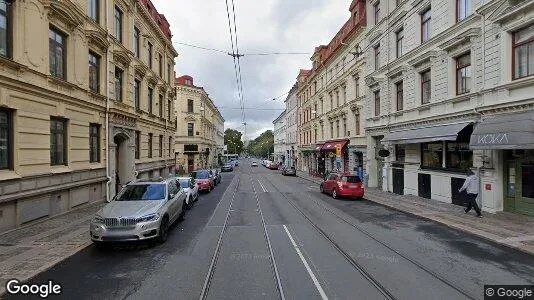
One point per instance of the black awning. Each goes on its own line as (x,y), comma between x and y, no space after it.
(507,131)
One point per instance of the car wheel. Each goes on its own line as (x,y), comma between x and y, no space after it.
(321,188)
(189,203)
(196,198)
(163,230)
(182,214)
(334,194)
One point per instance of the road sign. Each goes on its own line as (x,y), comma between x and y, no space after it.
(338,150)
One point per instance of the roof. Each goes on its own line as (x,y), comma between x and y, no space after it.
(282,114)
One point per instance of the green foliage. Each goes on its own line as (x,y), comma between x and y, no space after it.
(262,145)
(232,138)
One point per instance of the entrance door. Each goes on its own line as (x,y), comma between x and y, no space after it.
(424,186)
(190,163)
(524,201)
(398,181)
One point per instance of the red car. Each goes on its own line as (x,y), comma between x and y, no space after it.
(343,185)
(204,180)
(273,166)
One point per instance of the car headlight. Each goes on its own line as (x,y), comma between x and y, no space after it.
(148,218)
(98,219)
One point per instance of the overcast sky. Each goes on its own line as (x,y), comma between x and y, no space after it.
(262,26)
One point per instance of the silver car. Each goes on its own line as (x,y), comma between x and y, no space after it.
(142,210)
(190,188)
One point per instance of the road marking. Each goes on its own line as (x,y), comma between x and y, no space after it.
(310,272)
(262,187)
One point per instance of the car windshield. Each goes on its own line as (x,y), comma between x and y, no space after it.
(200,175)
(351,179)
(184,183)
(142,192)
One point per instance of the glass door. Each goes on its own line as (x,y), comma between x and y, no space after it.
(525,191)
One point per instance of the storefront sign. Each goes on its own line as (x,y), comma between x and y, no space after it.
(492,139)
(383,153)
(338,150)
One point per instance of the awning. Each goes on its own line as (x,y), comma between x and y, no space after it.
(445,132)
(318,147)
(509,131)
(331,146)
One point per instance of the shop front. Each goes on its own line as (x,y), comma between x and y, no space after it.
(508,140)
(320,160)
(336,155)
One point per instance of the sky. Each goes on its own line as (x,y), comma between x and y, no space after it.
(263,26)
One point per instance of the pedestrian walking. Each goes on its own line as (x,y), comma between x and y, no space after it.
(471,187)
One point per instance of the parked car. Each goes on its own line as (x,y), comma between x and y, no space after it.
(204,180)
(190,188)
(254,164)
(343,185)
(144,209)
(273,166)
(289,171)
(227,168)
(216,176)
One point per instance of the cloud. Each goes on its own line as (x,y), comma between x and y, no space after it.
(262,26)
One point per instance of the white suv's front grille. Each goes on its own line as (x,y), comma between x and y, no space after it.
(120,222)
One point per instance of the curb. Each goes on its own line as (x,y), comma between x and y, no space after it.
(47,266)
(450,225)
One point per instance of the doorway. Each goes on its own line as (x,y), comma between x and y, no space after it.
(122,167)
(425,190)
(398,180)
(519,182)
(190,163)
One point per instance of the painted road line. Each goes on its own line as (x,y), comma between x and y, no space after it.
(310,272)
(262,187)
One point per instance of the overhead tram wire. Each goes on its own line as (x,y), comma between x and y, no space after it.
(241,54)
(239,65)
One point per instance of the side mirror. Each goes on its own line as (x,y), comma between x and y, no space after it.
(171,195)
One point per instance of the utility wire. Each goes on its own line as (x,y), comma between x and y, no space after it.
(233,53)
(239,65)
(203,48)
(242,54)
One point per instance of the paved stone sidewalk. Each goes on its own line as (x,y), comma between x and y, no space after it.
(509,229)
(27,251)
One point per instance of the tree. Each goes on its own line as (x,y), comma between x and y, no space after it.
(262,145)
(232,138)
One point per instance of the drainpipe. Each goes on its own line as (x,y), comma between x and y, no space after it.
(108,175)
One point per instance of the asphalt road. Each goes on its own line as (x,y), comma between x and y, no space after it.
(260,235)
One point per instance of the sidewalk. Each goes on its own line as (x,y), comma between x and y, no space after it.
(509,229)
(30,250)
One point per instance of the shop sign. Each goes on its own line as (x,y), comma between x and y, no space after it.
(383,153)
(338,150)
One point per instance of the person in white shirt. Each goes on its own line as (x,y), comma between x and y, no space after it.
(471,187)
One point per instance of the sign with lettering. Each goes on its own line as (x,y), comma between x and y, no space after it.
(338,150)
(492,139)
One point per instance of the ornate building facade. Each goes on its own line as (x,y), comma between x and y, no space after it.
(76,116)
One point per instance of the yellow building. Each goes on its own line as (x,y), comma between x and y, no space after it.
(200,130)
(73,73)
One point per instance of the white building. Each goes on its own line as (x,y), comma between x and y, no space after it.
(437,70)
(279,155)
(292,113)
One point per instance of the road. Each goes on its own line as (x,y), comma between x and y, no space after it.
(260,235)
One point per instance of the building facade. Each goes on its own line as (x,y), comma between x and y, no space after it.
(74,117)
(291,121)
(442,94)
(331,102)
(199,136)
(279,132)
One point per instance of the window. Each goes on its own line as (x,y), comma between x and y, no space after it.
(315,135)
(150,55)
(425,26)
(432,155)
(6,139)
(93,10)
(169,73)
(94,72)
(426,90)
(458,156)
(118,84)
(160,105)
(137,144)
(57,53)
(5,28)
(399,37)
(400,96)
(331,129)
(400,153)
(377,103)
(118,24)
(523,47)
(58,141)
(344,127)
(137,93)
(376,10)
(150,141)
(331,101)
(463,9)
(356,86)
(190,105)
(337,128)
(357,123)
(137,42)
(170,146)
(337,98)
(160,65)
(161,146)
(190,129)
(377,56)
(169,106)
(150,100)
(94,143)
(322,131)
(463,74)
(527,181)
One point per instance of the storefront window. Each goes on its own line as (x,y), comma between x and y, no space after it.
(431,154)
(400,153)
(458,156)
(527,181)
